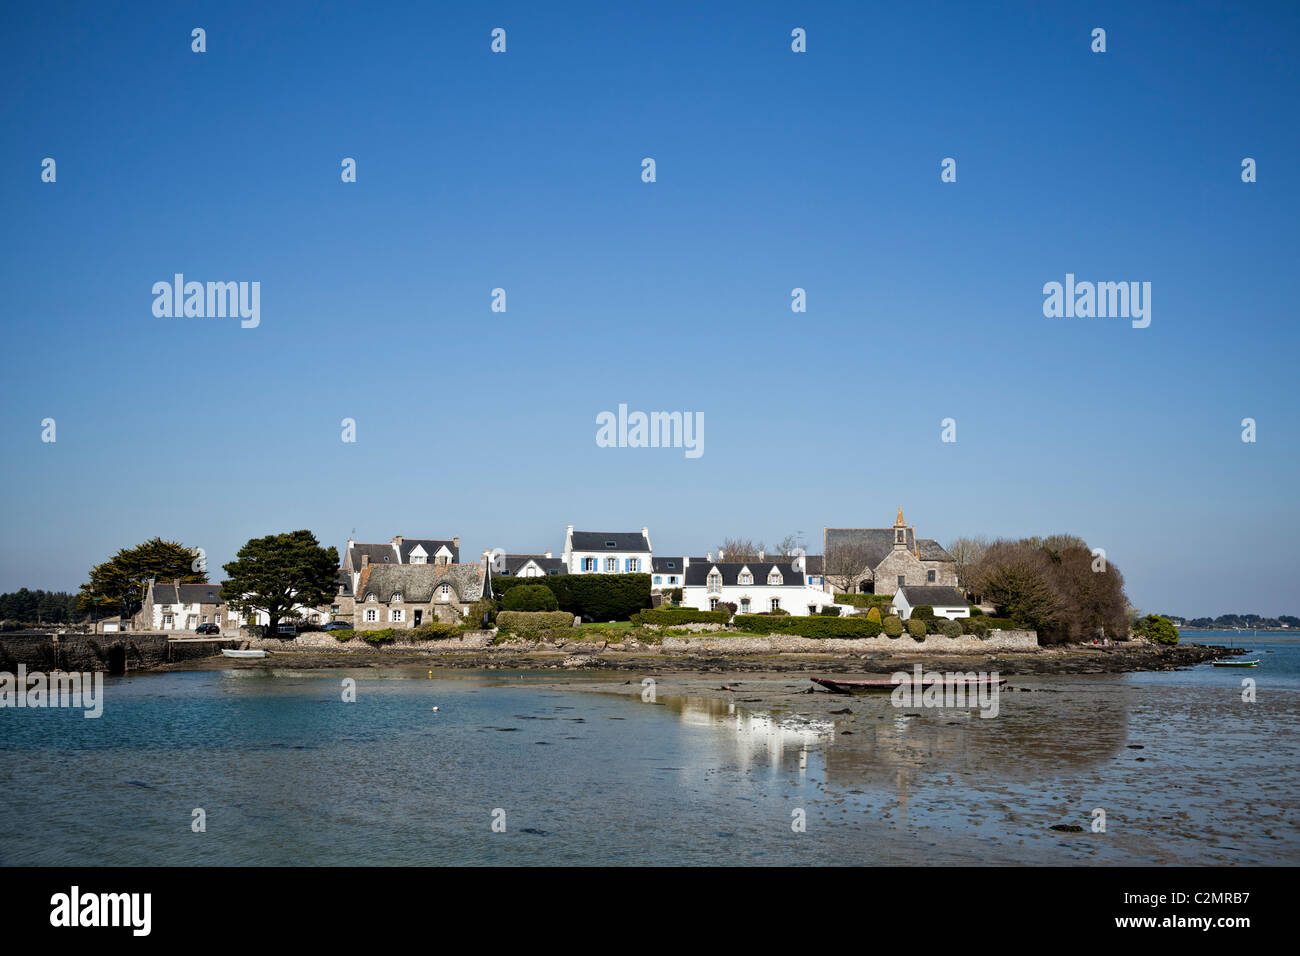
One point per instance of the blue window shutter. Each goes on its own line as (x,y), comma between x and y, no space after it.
(627,563)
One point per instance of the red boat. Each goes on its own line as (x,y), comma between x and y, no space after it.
(838,686)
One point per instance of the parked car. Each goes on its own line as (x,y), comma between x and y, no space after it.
(337,626)
(207,629)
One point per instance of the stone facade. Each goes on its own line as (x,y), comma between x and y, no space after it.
(404,596)
(890,557)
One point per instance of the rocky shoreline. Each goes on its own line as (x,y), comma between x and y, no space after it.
(596,656)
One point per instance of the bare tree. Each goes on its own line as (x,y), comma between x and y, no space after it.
(845,564)
(967,552)
(739,549)
(788,545)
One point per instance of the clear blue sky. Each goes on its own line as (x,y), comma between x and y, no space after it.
(775,170)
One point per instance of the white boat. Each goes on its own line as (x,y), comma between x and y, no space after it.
(229,653)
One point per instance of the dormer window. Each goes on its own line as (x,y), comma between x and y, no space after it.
(370,597)
(746,577)
(775,577)
(397,598)
(715,581)
(417,559)
(444,592)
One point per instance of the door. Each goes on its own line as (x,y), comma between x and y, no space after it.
(419,616)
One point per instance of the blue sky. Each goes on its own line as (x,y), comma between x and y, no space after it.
(775,170)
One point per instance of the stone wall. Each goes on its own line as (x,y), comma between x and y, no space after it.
(113,653)
(789,644)
(326,641)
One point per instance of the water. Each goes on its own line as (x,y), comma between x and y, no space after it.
(288,774)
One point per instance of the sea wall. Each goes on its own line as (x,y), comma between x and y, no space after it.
(790,644)
(114,653)
(326,641)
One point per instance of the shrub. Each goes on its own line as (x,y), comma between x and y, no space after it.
(1156,629)
(601,597)
(530,597)
(731,607)
(923,611)
(434,629)
(344,635)
(670,616)
(537,625)
(830,610)
(893,626)
(385,636)
(950,629)
(816,626)
(974,625)
(874,614)
(1003,623)
(976,611)
(474,619)
(916,628)
(675,595)
(864,600)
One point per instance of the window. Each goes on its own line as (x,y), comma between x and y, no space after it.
(713,604)
(776,604)
(898,535)
(611,564)
(929,576)
(774,577)
(658,579)
(672,579)
(715,582)
(634,564)
(611,544)
(167,620)
(396,614)
(397,598)
(417,559)
(746,577)
(589,564)
(900,580)
(744,605)
(372,614)
(812,609)
(334,608)
(370,597)
(444,592)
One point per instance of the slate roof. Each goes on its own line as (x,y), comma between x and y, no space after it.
(878,542)
(188,593)
(813,563)
(549,565)
(598,541)
(430,545)
(668,565)
(697,575)
(344,578)
(417,582)
(379,554)
(934,595)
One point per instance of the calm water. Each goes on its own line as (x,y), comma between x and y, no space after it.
(288,774)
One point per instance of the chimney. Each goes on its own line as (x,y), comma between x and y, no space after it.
(686,563)
(548,552)
(455,542)
(176,582)
(760,554)
(398,540)
(721,557)
(365,560)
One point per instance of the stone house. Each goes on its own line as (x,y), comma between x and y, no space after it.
(174,606)
(400,550)
(888,558)
(404,596)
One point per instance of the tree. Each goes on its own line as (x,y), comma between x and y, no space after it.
(739,550)
(280,572)
(1013,576)
(845,563)
(1156,629)
(118,585)
(967,552)
(530,597)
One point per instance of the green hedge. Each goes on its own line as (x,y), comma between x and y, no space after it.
(1005,623)
(530,597)
(916,628)
(385,636)
(432,630)
(865,600)
(822,627)
(950,629)
(344,635)
(602,597)
(537,625)
(893,626)
(670,616)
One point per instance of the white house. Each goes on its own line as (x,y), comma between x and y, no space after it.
(667,573)
(173,606)
(528,566)
(753,586)
(947,602)
(607,552)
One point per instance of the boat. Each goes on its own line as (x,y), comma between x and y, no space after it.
(838,686)
(1254,663)
(242,654)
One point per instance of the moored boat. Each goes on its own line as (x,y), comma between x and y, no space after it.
(1254,663)
(233,653)
(839,686)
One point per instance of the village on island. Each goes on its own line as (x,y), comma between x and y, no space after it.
(867,589)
